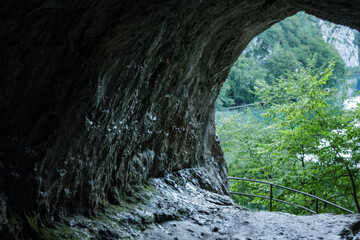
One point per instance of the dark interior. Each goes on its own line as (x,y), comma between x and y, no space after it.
(97,97)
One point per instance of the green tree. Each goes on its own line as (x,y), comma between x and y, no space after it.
(279,63)
(304,140)
(223,100)
(311,123)
(286,46)
(242,79)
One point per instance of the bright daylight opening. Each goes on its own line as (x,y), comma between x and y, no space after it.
(288,114)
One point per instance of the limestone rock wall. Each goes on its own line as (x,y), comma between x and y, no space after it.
(99,96)
(343,39)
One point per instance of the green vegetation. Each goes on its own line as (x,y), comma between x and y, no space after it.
(286,46)
(297,134)
(301,137)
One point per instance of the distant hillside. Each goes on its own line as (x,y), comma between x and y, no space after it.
(287,46)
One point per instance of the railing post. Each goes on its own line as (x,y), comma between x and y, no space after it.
(271,196)
(317,206)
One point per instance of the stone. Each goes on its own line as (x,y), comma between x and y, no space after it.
(226,221)
(99,97)
(351,231)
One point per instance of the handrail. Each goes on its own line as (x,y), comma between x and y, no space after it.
(290,189)
(274,199)
(242,106)
(253,104)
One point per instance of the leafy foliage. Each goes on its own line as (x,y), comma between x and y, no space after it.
(245,73)
(286,46)
(304,139)
(223,98)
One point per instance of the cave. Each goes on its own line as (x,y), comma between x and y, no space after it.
(99,98)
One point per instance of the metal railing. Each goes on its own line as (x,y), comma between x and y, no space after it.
(271,197)
(243,106)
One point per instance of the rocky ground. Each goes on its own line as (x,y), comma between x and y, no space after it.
(215,217)
(176,208)
(231,223)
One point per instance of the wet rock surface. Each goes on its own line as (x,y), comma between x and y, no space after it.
(351,232)
(231,223)
(98,97)
(166,200)
(176,208)
(215,217)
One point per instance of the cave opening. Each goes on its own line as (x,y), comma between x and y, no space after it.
(268,81)
(100,99)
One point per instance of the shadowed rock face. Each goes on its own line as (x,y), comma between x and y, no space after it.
(99,96)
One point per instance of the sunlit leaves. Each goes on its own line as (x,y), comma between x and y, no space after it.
(304,139)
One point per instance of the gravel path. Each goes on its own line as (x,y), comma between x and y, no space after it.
(228,222)
(216,217)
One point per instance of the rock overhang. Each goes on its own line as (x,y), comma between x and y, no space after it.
(98,97)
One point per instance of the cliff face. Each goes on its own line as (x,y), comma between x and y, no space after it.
(97,97)
(343,39)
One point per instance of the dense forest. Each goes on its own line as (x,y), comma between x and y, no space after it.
(297,133)
(284,47)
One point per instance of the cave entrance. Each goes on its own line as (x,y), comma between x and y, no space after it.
(268,125)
